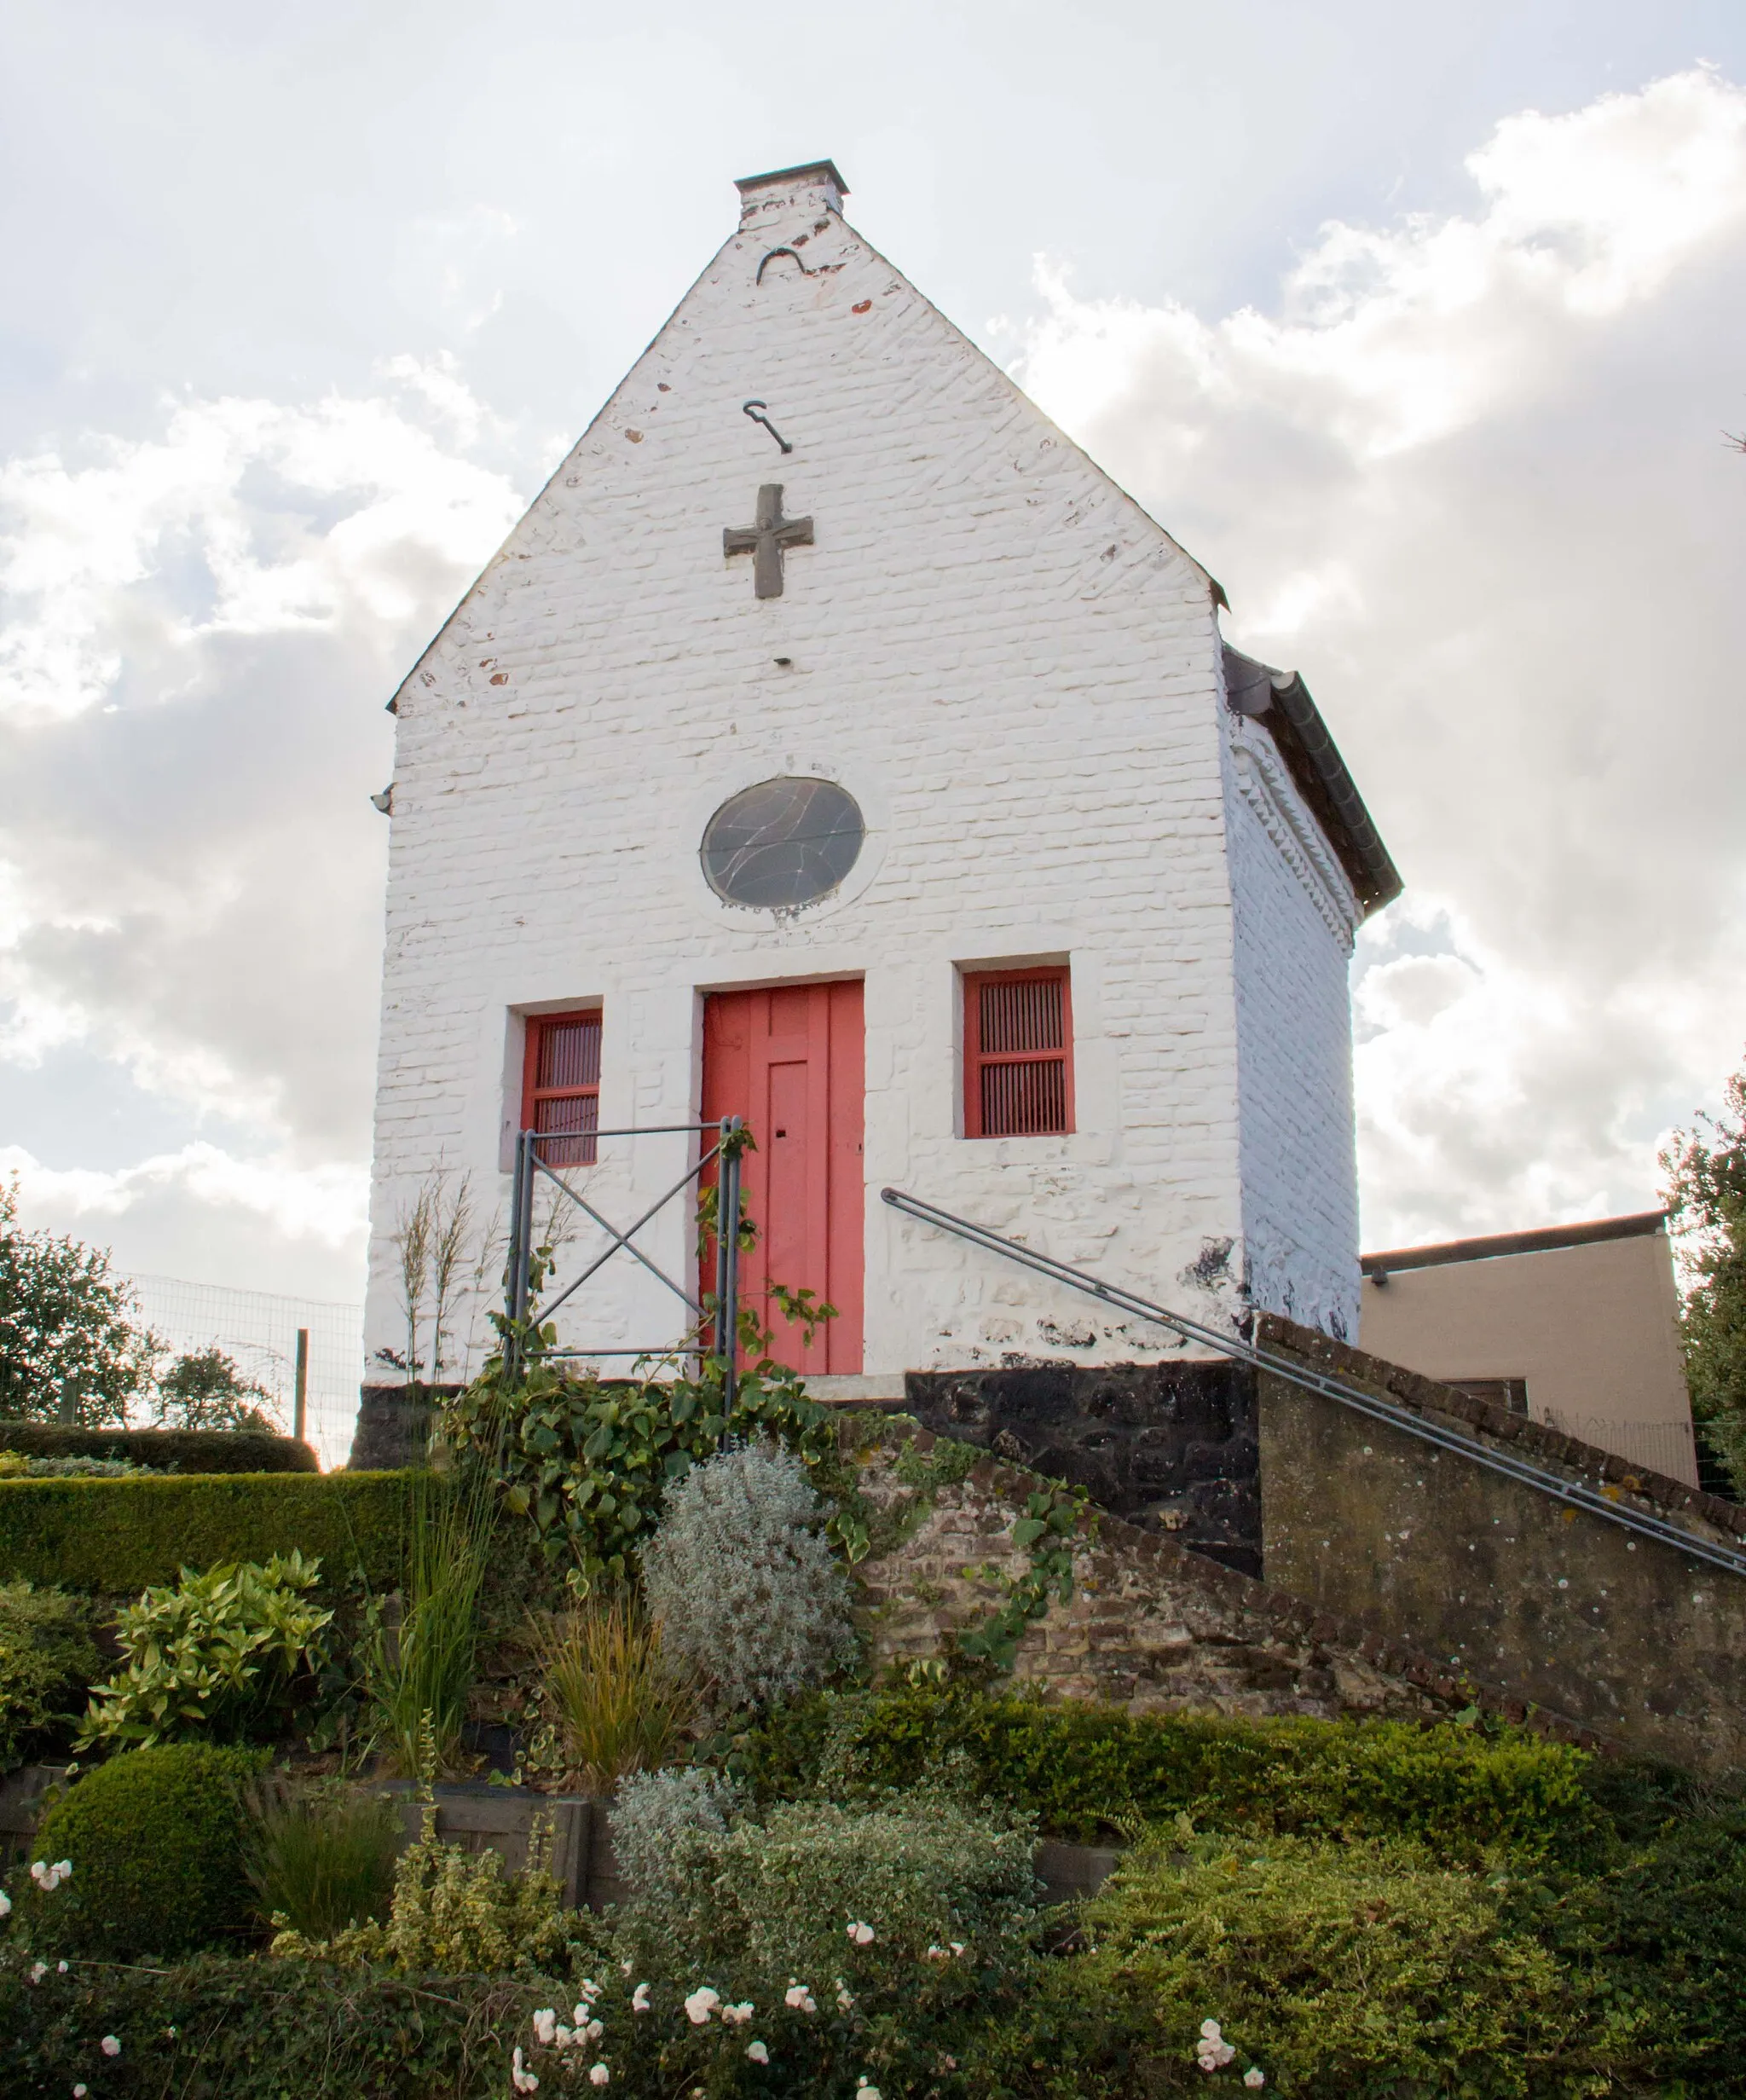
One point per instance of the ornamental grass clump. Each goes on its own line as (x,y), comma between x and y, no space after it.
(743,1578)
(320,1857)
(622,1703)
(417,1674)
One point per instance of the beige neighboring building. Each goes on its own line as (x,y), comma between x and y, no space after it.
(1574,1327)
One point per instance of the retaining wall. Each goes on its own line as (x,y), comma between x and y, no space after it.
(1541,1606)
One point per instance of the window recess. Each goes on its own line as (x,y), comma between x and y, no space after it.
(561,1084)
(1018,1054)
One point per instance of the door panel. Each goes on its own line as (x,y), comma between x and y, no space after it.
(792,1063)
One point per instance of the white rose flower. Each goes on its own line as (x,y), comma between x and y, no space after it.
(700,2003)
(546,2026)
(757,2052)
(110,2046)
(1212,2031)
(599,2076)
(639,1998)
(1254,2078)
(522,2080)
(861,1935)
(738,2015)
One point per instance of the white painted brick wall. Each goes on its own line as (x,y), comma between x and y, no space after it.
(1294,916)
(1014,671)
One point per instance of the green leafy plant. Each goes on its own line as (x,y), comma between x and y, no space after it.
(418,1671)
(231,1653)
(1045,1533)
(622,1703)
(588,1463)
(1332,1970)
(453,1913)
(47,1660)
(155,1838)
(319,1856)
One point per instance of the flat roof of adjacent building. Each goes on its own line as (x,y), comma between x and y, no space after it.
(1638,1224)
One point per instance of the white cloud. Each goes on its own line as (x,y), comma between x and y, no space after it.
(327,1203)
(1469,478)
(278,518)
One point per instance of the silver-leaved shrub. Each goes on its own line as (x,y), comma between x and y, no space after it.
(925,1879)
(656,1819)
(743,1577)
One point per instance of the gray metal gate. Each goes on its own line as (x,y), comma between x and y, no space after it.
(524,1317)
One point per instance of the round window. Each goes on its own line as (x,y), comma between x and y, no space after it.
(782,843)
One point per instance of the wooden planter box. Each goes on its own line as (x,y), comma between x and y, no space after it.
(501,1819)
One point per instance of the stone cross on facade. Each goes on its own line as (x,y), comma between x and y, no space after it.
(766,541)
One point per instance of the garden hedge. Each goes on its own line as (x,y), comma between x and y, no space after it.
(1085,1770)
(177,1450)
(114,1536)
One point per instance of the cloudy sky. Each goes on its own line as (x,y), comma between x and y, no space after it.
(1421,328)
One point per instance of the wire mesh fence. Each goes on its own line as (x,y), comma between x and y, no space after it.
(259,1330)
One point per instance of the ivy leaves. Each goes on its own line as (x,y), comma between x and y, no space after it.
(589,1463)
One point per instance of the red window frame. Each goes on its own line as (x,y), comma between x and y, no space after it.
(542,1105)
(1016,1106)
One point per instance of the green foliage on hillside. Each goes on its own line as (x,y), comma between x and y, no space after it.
(1706,1200)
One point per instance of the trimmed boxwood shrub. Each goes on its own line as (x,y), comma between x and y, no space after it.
(156,1841)
(116,1537)
(1083,1769)
(177,1450)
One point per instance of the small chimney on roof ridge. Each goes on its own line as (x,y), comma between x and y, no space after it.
(814,187)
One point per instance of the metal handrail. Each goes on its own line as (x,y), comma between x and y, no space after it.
(1328,1387)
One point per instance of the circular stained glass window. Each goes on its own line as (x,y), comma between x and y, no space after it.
(783,843)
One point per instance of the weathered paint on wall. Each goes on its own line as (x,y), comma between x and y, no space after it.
(1539,1605)
(1014,672)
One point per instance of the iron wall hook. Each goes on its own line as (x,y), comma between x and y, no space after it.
(754,409)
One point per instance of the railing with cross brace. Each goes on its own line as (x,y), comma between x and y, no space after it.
(524,1317)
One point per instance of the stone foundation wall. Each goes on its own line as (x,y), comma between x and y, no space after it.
(1169,1447)
(1537,1604)
(1152,1626)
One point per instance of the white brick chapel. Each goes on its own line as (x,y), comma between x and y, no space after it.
(834,744)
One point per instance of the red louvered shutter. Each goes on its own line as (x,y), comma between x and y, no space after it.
(1018,1054)
(561,1084)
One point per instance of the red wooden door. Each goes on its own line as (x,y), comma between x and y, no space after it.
(791,1062)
